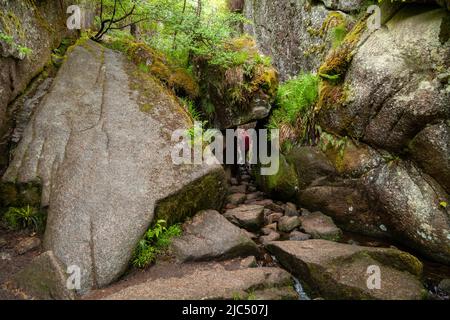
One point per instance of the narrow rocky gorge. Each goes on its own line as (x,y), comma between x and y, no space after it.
(364,163)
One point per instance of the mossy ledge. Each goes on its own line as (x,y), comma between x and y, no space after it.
(205,193)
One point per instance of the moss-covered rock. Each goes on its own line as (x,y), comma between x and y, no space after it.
(310,163)
(157,64)
(208,192)
(340,271)
(238,85)
(383,87)
(283,185)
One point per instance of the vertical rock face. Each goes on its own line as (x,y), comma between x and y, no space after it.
(295,33)
(391,92)
(37,25)
(101,146)
(397,82)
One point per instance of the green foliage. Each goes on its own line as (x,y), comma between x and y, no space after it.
(443,204)
(22,50)
(191,108)
(24,218)
(6,38)
(155,241)
(143,67)
(295,99)
(296,95)
(178,28)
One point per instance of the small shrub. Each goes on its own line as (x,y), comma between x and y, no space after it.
(156,240)
(295,99)
(24,218)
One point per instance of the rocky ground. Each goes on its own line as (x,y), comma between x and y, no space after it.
(256,248)
(17,250)
(244,252)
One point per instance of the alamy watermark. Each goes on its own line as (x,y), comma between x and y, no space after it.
(374,21)
(80,18)
(253,147)
(74,280)
(374,277)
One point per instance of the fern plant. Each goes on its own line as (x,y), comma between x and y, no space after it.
(155,241)
(295,100)
(24,218)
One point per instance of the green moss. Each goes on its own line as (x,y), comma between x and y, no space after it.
(25,218)
(146,107)
(231,79)
(205,193)
(155,63)
(399,260)
(283,185)
(41,20)
(338,60)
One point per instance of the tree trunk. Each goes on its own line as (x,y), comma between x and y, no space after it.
(134,30)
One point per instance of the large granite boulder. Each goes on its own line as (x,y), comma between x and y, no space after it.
(341,271)
(393,92)
(412,206)
(100,143)
(396,84)
(376,194)
(384,100)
